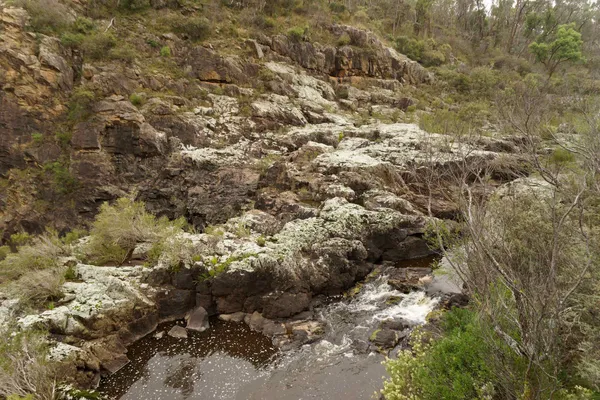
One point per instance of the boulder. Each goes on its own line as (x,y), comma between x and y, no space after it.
(178,332)
(198,320)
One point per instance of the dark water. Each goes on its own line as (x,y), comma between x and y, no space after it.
(230,362)
(208,365)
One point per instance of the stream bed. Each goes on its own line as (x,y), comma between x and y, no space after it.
(229,361)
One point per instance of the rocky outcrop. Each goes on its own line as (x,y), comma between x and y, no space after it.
(365,56)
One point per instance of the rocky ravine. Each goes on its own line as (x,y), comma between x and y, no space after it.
(309,189)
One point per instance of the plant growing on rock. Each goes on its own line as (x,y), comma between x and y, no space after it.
(118,228)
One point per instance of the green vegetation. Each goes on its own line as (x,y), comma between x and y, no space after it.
(136,99)
(165,51)
(118,228)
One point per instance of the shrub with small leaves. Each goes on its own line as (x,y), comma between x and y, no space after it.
(165,51)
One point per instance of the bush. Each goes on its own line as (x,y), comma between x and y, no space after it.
(195,28)
(165,51)
(411,48)
(344,40)
(63,138)
(136,99)
(433,58)
(337,8)
(80,104)
(62,179)
(118,228)
(561,156)
(47,16)
(37,137)
(453,367)
(98,46)
(123,53)
(296,33)
(36,288)
(41,252)
(24,367)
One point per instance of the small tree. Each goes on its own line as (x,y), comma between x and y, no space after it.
(566,46)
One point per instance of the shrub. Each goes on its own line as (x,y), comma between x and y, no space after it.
(24,367)
(63,138)
(411,48)
(123,53)
(62,179)
(561,156)
(453,367)
(47,16)
(118,228)
(344,40)
(36,288)
(98,46)
(195,28)
(296,33)
(433,58)
(136,99)
(37,137)
(4,252)
(337,8)
(80,104)
(41,252)
(165,51)
(20,239)
(134,5)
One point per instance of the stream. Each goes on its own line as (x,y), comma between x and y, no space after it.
(229,361)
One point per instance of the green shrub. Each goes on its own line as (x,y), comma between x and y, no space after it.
(80,104)
(136,99)
(63,181)
(4,251)
(412,48)
(561,156)
(98,46)
(165,51)
(297,33)
(134,5)
(123,53)
(36,288)
(453,367)
(37,137)
(47,16)
(153,43)
(118,228)
(63,138)
(337,8)
(70,273)
(20,239)
(195,28)
(73,236)
(41,252)
(344,40)
(433,58)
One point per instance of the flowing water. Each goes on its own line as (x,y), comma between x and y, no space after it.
(230,362)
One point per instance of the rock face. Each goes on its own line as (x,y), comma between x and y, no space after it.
(367,56)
